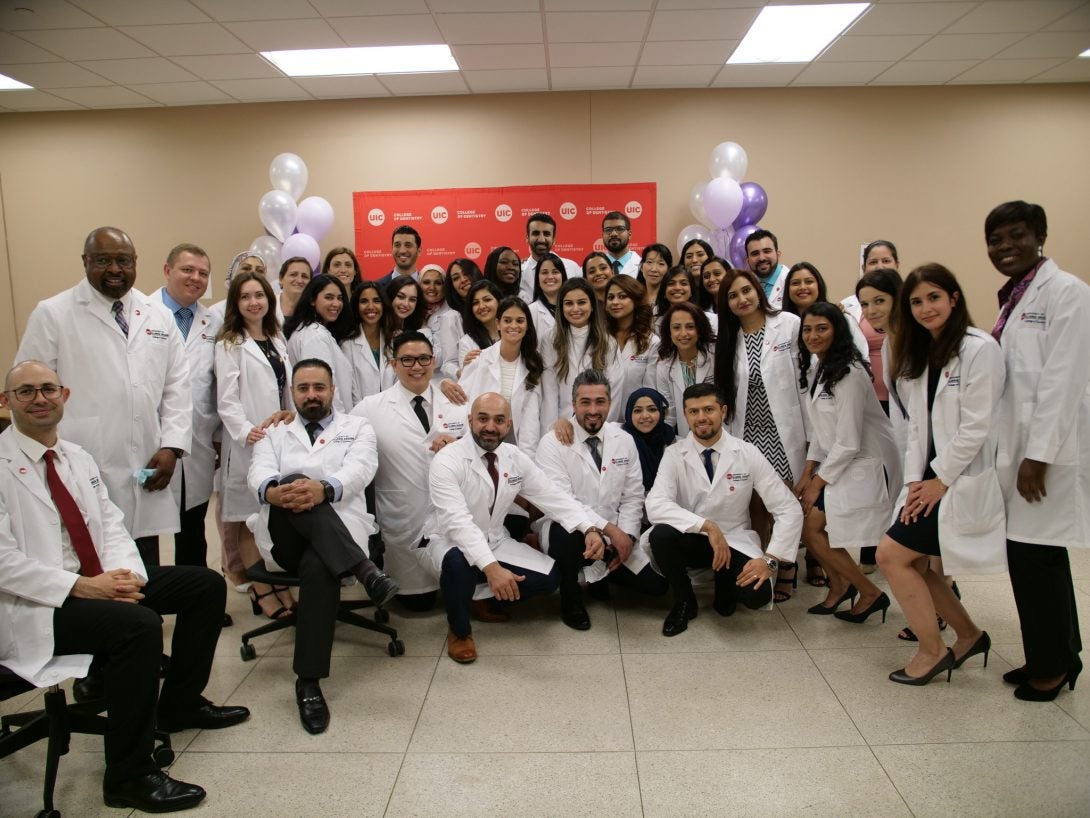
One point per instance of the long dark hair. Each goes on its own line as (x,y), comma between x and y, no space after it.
(233,330)
(705,338)
(822,293)
(643,317)
(492,262)
(597,337)
(305,313)
(556,262)
(416,318)
(842,352)
(469,267)
(528,348)
(913,348)
(726,343)
(386,320)
(680,271)
(470,324)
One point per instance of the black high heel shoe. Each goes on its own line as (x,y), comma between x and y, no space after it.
(946,663)
(825,610)
(255,604)
(1016,677)
(983,644)
(1027,693)
(880,604)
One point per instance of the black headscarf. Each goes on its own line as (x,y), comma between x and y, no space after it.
(652,444)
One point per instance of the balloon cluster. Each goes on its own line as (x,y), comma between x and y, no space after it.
(726,208)
(293,229)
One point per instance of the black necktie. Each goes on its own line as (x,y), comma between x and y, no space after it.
(616,268)
(593,442)
(314,428)
(708,467)
(495,475)
(418,407)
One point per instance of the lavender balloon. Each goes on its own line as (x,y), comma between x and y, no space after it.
(738,245)
(754,205)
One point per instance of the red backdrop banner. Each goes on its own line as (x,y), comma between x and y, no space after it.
(469,222)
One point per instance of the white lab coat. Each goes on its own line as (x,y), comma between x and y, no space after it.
(683,497)
(345,451)
(368,376)
(130,396)
(1044,413)
(898,401)
(483,375)
(404,457)
(200,465)
(638,368)
(972,523)
(450,332)
(315,341)
(246,394)
(543,319)
(851,439)
(614,494)
(556,395)
(529,270)
(780,373)
(463,514)
(33,580)
(670,382)
(775,298)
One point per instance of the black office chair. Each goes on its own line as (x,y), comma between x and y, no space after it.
(57,722)
(258,572)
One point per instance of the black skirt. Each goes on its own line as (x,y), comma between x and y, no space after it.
(921,536)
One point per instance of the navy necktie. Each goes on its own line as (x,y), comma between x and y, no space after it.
(119,317)
(184,318)
(708,467)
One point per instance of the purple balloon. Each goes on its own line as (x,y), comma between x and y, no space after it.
(754,205)
(738,245)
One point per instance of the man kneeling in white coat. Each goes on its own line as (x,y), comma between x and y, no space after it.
(472,484)
(699,510)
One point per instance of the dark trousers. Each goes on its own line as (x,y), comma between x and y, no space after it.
(149,549)
(418,603)
(128,641)
(1045,597)
(458,580)
(316,546)
(190,544)
(566,547)
(676,552)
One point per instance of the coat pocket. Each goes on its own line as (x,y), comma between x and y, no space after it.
(974,504)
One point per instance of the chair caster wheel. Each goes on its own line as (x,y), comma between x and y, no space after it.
(382,616)
(248,652)
(396,647)
(163,756)
(49,813)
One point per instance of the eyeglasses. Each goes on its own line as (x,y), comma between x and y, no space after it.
(610,230)
(102,262)
(25,394)
(409,361)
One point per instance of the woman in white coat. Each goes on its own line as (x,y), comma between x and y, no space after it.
(850,465)
(951,504)
(367,344)
(295,274)
(549,276)
(462,273)
(1044,442)
(316,329)
(252,374)
(803,286)
(631,323)
(686,357)
(756,369)
(479,321)
(409,310)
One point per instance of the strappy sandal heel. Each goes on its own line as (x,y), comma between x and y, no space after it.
(790,583)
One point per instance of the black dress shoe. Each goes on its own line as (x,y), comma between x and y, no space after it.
(153,792)
(89,689)
(574,614)
(678,618)
(313,712)
(206,717)
(227,620)
(381,588)
(725,605)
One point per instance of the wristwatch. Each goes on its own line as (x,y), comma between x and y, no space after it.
(593,530)
(329,491)
(773,563)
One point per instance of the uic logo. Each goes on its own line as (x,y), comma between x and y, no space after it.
(439,214)
(633,210)
(375,217)
(503,213)
(473,250)
(568,211)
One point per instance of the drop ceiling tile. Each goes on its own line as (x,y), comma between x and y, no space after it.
(495,57)
(689,5)
(746,76)
(141,12)
(183,93)
(45,15)
(689,52)
(54,75)
(1065,44)
(599,5)
(277,35)
(398,29)
(445,6)
(16,50)
(923,72)
(229,67)
(721,24)
(519,79)
(87,43)
(1077,70)
(963,46)
(1006,71)
(564,79)
(262,90)
(840,73)
(515,27)
(234,10)
(877,47)
(595,27)
(153,69)
(1011,16)
(194,38)
(354,8)
(110,96)
(674,76)
(1078,20)
(909,18)
(341,87)
(588,55)
(36,101)
(447,82)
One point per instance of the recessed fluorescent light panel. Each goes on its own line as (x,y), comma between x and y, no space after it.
(1086,53)
(794,33)
(341,62)
(8,84)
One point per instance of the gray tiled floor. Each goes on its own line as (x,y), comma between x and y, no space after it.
(767,713)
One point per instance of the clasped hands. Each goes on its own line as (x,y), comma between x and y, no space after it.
(118,584)
(299,495)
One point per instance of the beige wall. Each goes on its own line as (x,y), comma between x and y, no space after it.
(921,166)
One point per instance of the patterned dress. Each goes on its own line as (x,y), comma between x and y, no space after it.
(760,425)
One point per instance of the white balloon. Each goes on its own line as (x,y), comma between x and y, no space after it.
(696,202)
(302,245)
(723,201)
(690,232)
(728,159)
(277,211)
(288,172)
(268,250)
(315,217)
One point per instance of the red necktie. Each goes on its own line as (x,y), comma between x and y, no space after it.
(80,537)
(495,475)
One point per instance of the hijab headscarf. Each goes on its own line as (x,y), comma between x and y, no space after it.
(652,444)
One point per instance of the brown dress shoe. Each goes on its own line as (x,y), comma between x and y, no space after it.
(461,649)
(483,611)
